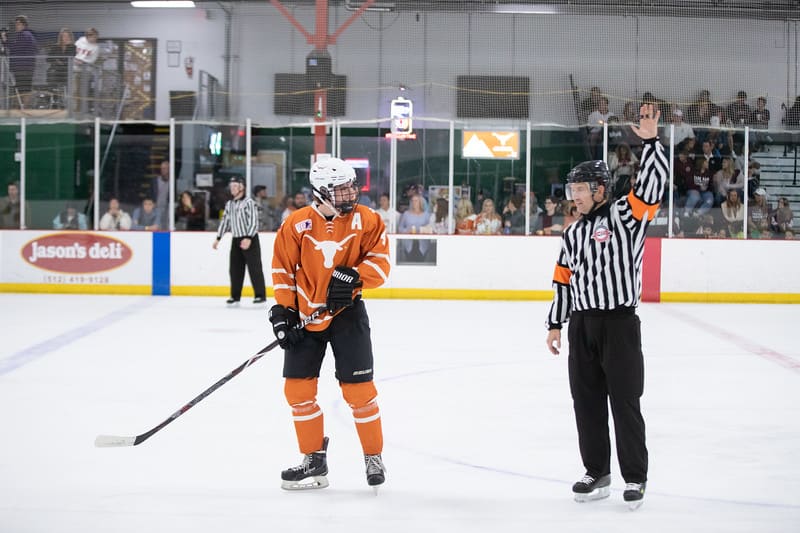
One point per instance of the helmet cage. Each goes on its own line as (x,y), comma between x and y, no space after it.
(342,198)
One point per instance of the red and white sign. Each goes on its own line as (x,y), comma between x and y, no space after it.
(76,253)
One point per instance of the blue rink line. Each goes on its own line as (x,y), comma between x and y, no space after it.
(37,351)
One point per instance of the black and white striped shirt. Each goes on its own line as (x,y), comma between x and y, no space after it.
(600,263)
(240,218)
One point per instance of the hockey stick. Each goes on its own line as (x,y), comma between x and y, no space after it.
(115,441)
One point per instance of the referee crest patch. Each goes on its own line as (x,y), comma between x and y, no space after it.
(601,232)
(303,225)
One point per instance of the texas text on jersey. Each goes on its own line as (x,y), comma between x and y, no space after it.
(357,239)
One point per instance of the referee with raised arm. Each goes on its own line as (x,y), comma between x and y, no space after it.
(597,284)
(241,218)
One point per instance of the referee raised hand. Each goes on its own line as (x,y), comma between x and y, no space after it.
(597,286)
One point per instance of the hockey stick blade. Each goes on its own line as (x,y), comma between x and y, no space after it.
(114,441)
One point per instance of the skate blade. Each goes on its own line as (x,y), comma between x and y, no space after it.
(632,506)
(596,494)
(309,483)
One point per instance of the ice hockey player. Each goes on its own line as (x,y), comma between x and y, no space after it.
(324,255)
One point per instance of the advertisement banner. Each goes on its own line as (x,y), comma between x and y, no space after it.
(77,258)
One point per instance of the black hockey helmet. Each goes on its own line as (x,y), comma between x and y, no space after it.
(595,173)
(237,178)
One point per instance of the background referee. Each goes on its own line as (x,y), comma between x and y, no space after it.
(597,285)
(241,218)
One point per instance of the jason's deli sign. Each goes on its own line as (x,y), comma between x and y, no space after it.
(76,253)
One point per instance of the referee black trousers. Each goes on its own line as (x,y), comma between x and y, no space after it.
(251,258)
(606,364)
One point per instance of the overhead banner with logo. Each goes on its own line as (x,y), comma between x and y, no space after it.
(77,258)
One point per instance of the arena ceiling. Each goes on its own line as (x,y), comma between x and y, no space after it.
(769,9)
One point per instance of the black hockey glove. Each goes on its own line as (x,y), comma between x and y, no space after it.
(284,323)
(344,281)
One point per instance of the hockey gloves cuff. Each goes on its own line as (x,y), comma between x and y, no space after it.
(284,323)
(344,281)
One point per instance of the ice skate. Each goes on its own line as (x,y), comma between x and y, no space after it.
(634,495)
(376,472)
(590,488)
(310,474)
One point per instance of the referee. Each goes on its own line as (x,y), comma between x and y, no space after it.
(597,285)
(241,218)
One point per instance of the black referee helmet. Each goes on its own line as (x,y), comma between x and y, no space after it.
(236,178)
(595,173)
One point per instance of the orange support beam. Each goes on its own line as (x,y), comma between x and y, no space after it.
(320,39)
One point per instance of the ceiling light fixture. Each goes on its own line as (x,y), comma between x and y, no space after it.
(162,3)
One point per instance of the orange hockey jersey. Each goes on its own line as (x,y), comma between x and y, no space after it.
(308,248)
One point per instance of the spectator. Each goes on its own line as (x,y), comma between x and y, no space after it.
(266,213)
(758,215)
(69,218)
(160,186)
(570,212)
(738,113)
(86,53)
(414,219)
(759,117)
(792,119)
(387,213)
(488,221)
(189,215)
(551,221)
(465,216)
(726,179)
(59,56)
(711,155)
(701,111)
(684,172)
(440,218)
(10,208)
(514,216)
(589,104)
(698,190)
(365,200)
(115,219)
(733,212)
(596,120)
(622,164)
(658,104)
(683,131)
(535,211)
(147,217)
(782,218)
(22,52)
(294,203)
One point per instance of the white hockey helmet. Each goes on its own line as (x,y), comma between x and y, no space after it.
(334,184)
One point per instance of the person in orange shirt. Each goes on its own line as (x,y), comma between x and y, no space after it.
(324,255)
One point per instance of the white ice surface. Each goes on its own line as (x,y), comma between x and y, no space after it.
(478,422)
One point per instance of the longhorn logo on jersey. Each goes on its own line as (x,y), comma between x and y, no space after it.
(329,248)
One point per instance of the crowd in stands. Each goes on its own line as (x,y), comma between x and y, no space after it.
(65,56)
